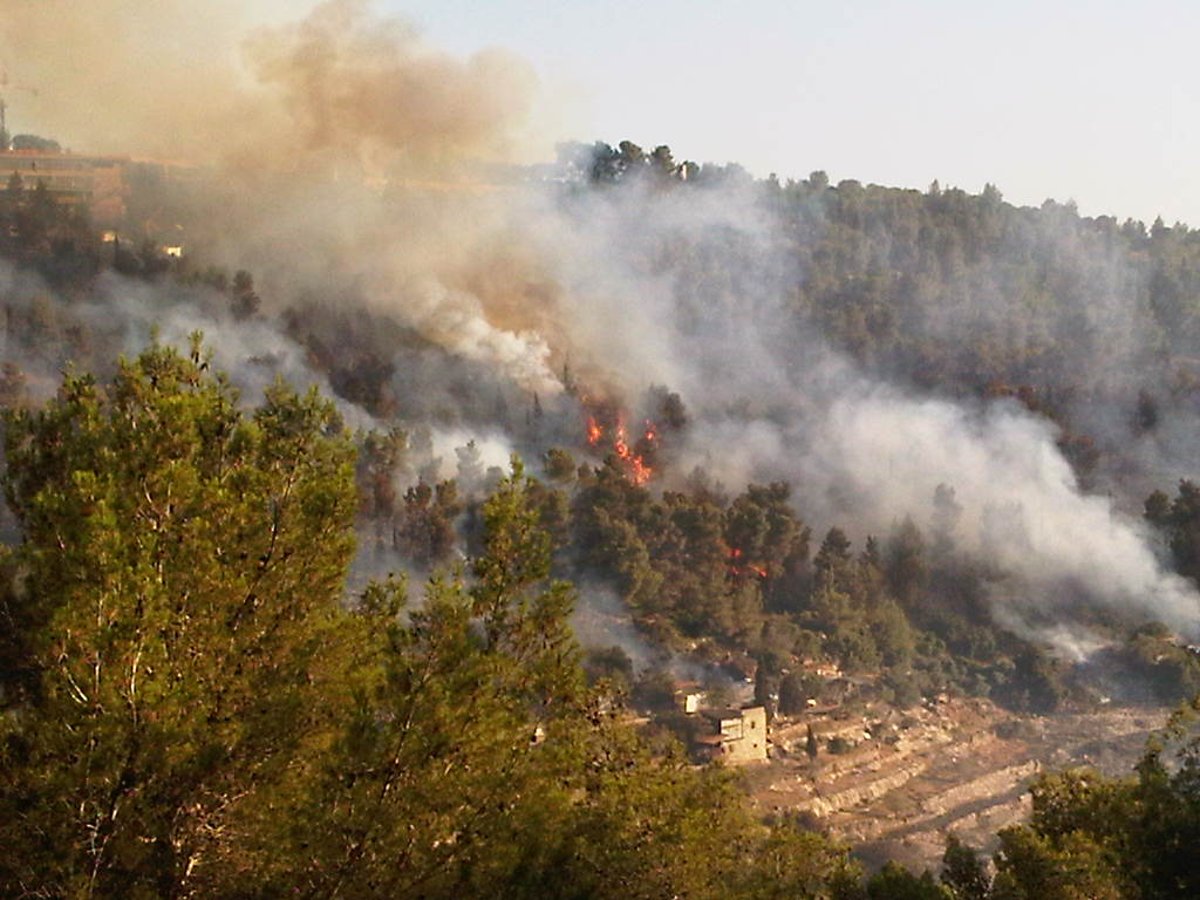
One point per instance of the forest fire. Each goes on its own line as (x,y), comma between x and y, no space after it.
(738,568)
(633,457)
(594,432)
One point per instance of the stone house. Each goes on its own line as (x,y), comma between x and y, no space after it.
(735,736)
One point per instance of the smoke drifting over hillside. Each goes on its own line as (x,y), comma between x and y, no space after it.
(346,175)
(771,400)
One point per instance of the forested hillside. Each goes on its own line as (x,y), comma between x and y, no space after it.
(285,612)
(907,433)
(191,709)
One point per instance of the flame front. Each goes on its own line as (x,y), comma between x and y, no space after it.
(639,472)
(739,568)
(638,469)
(594,431)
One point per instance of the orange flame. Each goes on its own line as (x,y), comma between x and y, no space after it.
(636,467)
(737,568)
(619,443)
(639,472)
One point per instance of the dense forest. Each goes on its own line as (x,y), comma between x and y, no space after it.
(285,612)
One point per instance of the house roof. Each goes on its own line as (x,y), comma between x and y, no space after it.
(728,713)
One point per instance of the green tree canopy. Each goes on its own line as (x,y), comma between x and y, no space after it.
(179,575)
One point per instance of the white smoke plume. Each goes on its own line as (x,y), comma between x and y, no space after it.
(353,169)
(1023,509)
(600,620)
(770,400)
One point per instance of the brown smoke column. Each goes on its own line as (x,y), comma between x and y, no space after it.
(188,81)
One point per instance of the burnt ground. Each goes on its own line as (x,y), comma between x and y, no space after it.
(905,779)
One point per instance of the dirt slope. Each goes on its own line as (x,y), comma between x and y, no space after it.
(908,778)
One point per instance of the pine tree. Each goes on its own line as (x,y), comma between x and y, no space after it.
(180,571)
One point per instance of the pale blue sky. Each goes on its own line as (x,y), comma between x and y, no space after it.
(1097,102)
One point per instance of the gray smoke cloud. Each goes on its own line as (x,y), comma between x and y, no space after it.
(1022,507)
(354,170)
(771,400)
(600,620)
(340,151)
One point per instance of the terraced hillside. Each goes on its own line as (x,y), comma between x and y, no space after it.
(897,783)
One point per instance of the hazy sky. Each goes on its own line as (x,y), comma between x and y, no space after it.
(1093,101)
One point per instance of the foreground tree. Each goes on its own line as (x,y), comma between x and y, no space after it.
(178,579)
(458,741)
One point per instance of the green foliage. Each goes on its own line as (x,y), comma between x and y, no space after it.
(1171,672)
(447,767)
(963,872)
(894,882)
(697,567)
(54,240)
(1178,520)
(611,664)
(181,565)
(1071,867)
(794,863)
(244,302)
(425,533)
(197,712)
(1035,684)
(907,569)
(1091,836)
(559,465)
(382,459)
(477,763)
(687,566)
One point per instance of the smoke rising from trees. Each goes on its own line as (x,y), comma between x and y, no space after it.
(356,172)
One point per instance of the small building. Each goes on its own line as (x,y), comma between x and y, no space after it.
(689,696)
(735,736)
